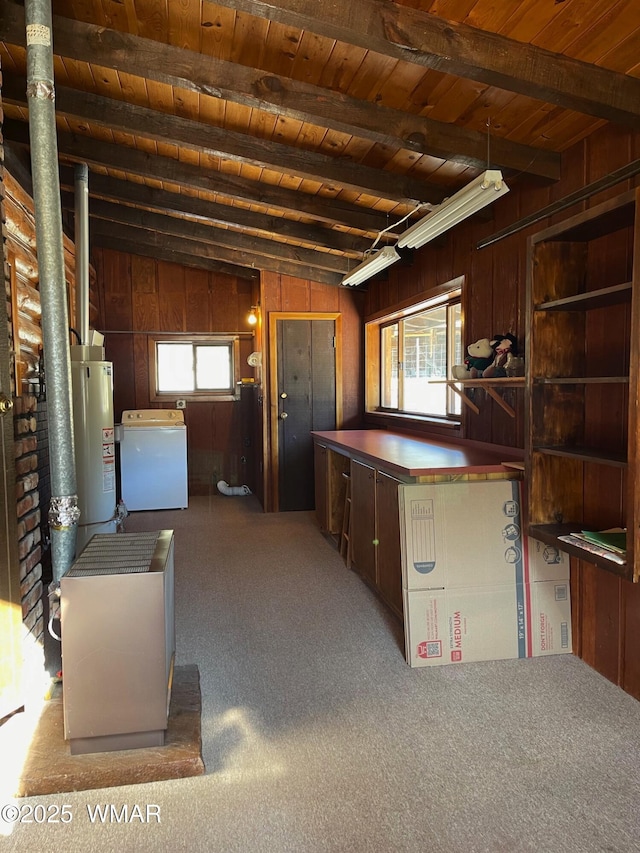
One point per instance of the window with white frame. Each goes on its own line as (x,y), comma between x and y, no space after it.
(203,368)
(417,349)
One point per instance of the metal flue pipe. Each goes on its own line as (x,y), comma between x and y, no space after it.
(81,196)
(63,509)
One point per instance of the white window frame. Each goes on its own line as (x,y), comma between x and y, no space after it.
(449,296)
(231,342)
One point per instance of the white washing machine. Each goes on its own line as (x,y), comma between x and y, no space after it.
(153,459)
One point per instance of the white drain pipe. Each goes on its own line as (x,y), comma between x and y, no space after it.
(226,489)
(63,509)
(81,235)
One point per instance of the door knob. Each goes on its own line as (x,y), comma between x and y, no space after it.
(284,395)
(283,415)
(5,404)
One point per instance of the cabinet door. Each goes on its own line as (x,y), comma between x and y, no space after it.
(363,515)
(388,535)
(321,480)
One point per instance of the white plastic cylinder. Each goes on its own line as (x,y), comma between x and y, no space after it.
(226,489)
(92,384)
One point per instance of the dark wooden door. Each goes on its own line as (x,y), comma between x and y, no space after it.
(306,398)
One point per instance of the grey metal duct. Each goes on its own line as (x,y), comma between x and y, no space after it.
(81,195)
(63,509)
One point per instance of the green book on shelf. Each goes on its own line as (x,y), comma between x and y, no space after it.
(613,540)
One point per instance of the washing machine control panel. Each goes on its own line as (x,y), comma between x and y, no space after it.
(153,417)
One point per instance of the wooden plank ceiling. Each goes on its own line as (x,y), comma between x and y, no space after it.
(287,135)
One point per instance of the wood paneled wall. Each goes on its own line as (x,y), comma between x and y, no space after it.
(139,296)
(495,277)
(229,441)
(606,610)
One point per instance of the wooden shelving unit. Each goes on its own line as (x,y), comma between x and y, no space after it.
(582,383)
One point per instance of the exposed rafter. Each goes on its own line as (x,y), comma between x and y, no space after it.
(161,201)
(129,160)
(162,252)
(292,135)
(142,240)
(433,42)
(243,244)
(279,95)
(237,147)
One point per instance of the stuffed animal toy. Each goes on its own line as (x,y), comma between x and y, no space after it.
(480,355)
(504,347)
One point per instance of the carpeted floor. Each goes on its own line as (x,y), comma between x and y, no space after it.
(318,737)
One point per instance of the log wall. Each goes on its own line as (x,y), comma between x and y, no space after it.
(31,445)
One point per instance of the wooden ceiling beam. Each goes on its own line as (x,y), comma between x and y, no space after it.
(159,253)
(427,40)
(279,95)
(190,230)
(334,173)
(162,201)
(84,149)
(132,235)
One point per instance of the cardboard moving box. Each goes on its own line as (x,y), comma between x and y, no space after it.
(487,623)
(470,534)
(475,588)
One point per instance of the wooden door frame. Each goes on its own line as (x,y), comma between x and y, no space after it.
(272,449)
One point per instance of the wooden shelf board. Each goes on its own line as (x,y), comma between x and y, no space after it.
(601,298)
(580,380)
(498,381)
(517,466)
(586,454)
(611,215)
(549,534)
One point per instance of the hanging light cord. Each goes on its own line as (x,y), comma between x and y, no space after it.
(416,209)
(424,205)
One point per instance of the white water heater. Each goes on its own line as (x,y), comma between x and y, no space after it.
(92,386)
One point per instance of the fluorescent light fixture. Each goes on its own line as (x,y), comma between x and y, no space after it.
(484,190)
(372,265)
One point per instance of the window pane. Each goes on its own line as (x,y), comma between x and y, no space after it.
(455,354)
(389,366)
(175,367)
(213,368)
(425,358)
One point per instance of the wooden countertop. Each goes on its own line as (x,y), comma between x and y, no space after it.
(411,457)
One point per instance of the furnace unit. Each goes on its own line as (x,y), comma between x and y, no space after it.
(118,642)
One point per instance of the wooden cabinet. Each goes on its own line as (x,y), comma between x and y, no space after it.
(389,579)
(321,486)
(363,520)
(330,488)
(375,531)
(582,384)
(378,461)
